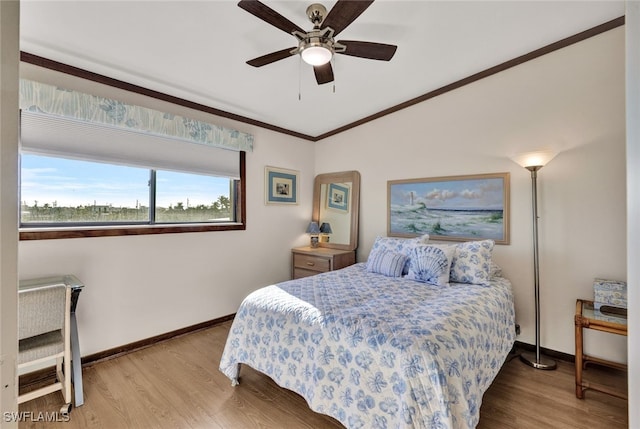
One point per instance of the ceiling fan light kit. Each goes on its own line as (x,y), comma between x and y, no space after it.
(316,55)
(317,47)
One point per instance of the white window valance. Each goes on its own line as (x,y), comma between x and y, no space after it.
(53,100)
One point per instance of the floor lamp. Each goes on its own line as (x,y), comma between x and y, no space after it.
(534,161)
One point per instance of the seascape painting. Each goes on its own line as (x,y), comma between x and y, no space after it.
(457,208)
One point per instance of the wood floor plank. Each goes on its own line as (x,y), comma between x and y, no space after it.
(177,384)
(528,398)
(182,393)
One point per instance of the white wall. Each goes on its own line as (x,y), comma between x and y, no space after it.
(9,37)
(141,286)
(633,201)
(571,100)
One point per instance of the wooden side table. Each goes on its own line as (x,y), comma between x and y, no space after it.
(588,318)
(309,261)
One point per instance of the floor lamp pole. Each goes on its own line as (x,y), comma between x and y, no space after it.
(536,360)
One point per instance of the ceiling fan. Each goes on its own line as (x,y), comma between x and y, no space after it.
(317,47)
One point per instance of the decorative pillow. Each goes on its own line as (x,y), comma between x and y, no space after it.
(472,262)
(398,245)
(386,262)
(431,264)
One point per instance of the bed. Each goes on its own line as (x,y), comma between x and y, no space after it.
(375,350)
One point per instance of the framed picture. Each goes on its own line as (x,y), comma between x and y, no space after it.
(280,186)
(456,208)
(338,197)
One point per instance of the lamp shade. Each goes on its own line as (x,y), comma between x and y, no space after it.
(537,158)
(325,228)
(313,228)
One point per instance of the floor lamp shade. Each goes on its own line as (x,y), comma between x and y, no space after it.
(534,161)
(538,158)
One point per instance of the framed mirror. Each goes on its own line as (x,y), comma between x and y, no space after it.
(336,203)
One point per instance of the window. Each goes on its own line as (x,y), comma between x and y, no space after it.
(57,191)
(87,180)
(183,197)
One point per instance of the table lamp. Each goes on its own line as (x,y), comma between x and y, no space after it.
(325,230)
(313,230)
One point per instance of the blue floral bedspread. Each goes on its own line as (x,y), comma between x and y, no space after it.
(374,351)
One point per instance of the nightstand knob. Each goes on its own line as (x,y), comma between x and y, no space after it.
(311,264)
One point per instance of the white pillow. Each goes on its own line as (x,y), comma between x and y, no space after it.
(431,264)
(472,262)
(398,245)
(386,262)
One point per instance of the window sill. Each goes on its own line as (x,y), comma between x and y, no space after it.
(102,231)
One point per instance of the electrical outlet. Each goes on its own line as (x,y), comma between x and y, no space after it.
(517,329)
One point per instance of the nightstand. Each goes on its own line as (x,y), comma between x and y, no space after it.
(589,318)
(309,261)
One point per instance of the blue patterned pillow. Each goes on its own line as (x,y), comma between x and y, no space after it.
(387,263)
(398,245)
(472,262)
(431,264)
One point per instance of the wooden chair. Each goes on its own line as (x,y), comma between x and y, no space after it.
(44,335)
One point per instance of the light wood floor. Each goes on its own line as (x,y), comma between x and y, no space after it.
(176,384)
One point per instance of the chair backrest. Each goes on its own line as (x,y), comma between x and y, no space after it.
(41,310)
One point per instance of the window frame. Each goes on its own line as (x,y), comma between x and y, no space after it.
(62,232)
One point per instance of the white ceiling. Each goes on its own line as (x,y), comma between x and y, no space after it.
(197,50)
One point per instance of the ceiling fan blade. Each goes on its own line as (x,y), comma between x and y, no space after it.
(271,58)
(269,15)
(343,13)
(370,50)
(324,73)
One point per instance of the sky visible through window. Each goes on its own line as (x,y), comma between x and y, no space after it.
(72,183)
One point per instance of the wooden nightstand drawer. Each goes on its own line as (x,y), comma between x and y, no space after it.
(309,261)
(302,272)
(312,263)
